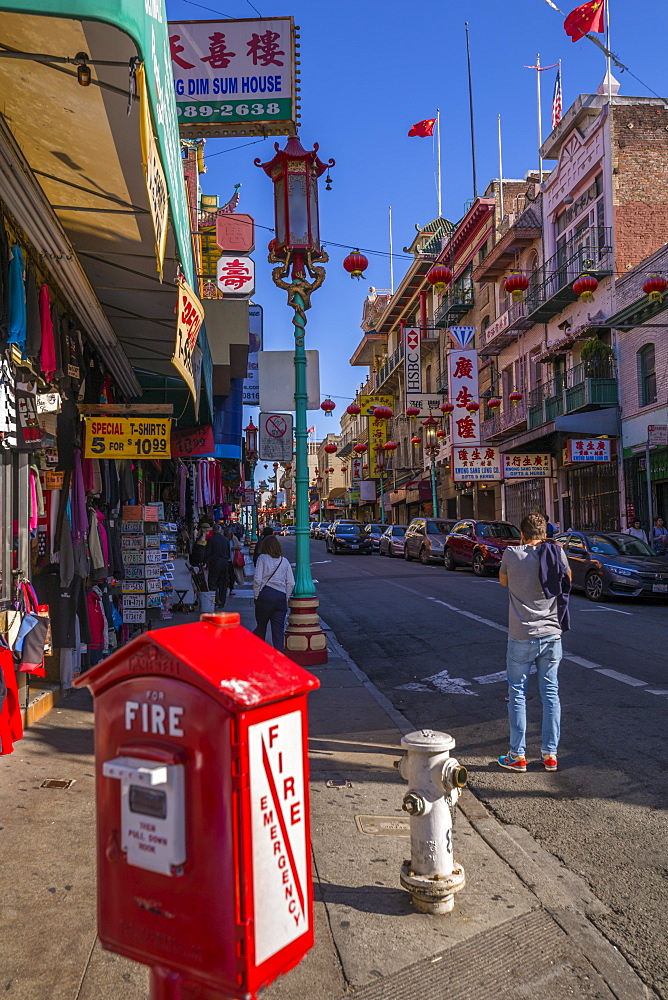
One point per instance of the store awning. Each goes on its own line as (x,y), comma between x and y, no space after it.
(82,144)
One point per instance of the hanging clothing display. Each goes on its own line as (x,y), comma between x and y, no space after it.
(11,724)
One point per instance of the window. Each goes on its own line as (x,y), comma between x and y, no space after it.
(576,545)
(427,379)
(646,375)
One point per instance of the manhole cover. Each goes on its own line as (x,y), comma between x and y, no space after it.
(57,783)
(384,826)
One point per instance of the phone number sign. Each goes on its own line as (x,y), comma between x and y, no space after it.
(128,437)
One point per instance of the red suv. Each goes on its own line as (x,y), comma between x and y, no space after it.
(479,544)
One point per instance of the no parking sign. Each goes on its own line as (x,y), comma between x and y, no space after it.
(275,437)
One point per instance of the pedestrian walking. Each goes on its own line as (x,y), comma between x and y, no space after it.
(538,577)
(659,537)
(272,585)
(636,529)
(266,531)
(237,561)
(218,562)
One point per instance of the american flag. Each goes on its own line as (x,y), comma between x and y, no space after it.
(557,100)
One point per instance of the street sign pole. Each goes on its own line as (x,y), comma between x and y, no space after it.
(648,476)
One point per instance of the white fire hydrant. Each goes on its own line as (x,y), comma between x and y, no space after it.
(435,779)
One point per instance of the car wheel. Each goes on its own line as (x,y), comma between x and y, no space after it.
(479,567)
(424,556)
(448,560)
(594,587)
(369,552)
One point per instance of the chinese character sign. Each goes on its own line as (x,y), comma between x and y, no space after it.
(527,466)
(234,78)
(476,464)
(588,450)
(235,233)
(463,387)
(356,469)
(235,275)
(189,316)
(377,428)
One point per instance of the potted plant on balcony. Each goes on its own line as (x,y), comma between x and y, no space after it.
(597,358)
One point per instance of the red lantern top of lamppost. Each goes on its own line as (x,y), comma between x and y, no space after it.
(430,428)
(251,441)
(294,171)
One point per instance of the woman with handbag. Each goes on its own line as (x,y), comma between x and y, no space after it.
(272,585)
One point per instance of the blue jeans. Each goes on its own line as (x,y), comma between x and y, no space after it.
(521,656)
(271,607)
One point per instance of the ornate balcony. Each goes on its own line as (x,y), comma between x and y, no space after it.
(587,386)
(551,285)
(505,424)
(457,302)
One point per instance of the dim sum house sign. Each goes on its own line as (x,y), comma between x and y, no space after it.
(234,78)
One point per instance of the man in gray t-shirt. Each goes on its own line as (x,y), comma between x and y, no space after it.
(534,639)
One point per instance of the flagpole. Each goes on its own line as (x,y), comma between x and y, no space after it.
(438,156)
(540,120)
(391,257)
(500,169)
(606,13)
(468,61)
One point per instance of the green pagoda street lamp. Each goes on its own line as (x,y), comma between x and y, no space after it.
(296,250)
(431,445)
(252,456)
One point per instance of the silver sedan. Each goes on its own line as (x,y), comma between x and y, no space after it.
(392,541)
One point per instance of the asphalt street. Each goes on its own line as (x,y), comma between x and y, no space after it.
(434,643)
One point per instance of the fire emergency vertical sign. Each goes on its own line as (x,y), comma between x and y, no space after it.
(280,851)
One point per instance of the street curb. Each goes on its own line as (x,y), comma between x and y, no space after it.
(561,893)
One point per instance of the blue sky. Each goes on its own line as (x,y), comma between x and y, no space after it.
(370,70)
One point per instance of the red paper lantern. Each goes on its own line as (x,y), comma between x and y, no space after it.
(439,276)
(390,446)
(416,439)
(441,433)
(353,409)
(412,411)
(472,406)
(446,407)
(328,405)
(515,397)
(329,470)
(382,413)
(516,285)
(494,403)
(655,286)
(356,264)
(331,449)
(585,286)
(364,468)
(360,448)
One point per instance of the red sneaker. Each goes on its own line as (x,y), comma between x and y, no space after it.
(550,761)
(512,763)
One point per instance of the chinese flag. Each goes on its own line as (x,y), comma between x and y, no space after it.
(424,128)
(588,17)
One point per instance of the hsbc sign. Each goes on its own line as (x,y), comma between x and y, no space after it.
(413,361)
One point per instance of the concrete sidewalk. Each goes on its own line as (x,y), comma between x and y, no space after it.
(520,928)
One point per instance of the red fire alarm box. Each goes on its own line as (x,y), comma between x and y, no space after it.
(203,839)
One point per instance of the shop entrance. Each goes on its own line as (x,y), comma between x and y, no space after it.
(523,497)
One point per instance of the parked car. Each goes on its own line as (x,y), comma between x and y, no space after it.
(348,536)
(288,529)
(392,541)
(313,528)
(374,531)
(611,563)
(425,539)
(479,544)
